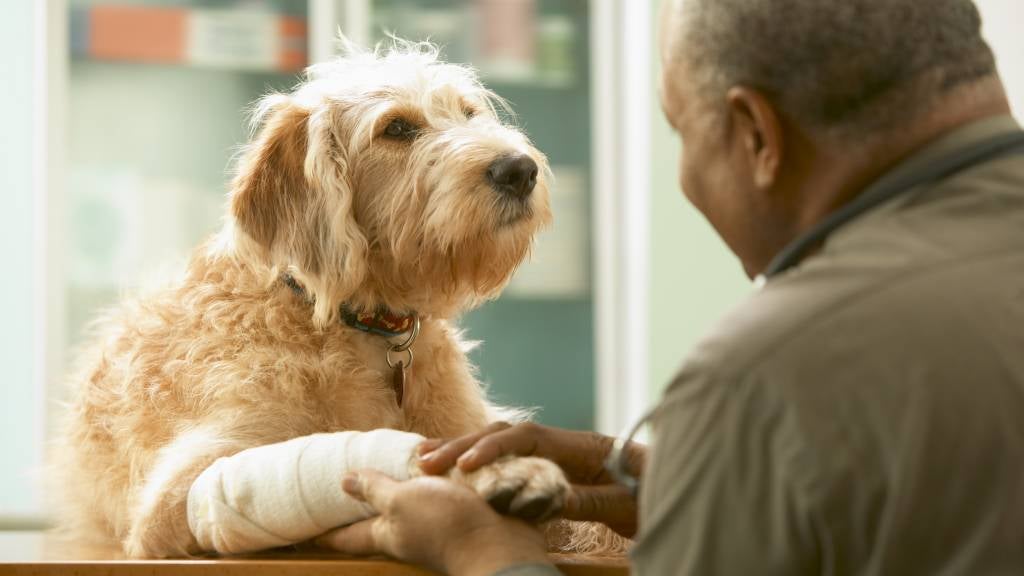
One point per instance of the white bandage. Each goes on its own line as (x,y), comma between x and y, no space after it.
(285,493)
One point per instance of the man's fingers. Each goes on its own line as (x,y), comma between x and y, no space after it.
(428,446)
(609,504)
(520,441)
(596,502)
(370,486)
(442,458)
(357,539)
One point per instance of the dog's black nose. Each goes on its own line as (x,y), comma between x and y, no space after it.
(515,175)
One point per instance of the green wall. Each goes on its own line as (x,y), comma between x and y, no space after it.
(694,277)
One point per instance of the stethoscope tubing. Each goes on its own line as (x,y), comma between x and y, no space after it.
(888,189)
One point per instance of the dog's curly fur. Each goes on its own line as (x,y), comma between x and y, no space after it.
(229,358)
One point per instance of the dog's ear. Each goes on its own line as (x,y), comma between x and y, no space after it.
(340,241)
(293,196)
(270,187)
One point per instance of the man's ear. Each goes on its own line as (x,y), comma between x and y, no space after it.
(270,188)
(759,127)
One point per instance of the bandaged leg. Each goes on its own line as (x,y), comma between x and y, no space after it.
(284,493)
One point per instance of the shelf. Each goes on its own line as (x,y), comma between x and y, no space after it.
(512,44)
(536,82)
(255,40)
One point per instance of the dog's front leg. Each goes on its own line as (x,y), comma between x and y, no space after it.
(288,492)
(204,494)
(158,527)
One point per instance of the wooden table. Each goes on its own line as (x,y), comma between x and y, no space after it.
(32,553)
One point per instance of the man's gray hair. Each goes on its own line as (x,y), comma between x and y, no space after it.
(845,66)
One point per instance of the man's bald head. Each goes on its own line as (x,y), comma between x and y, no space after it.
(845,67)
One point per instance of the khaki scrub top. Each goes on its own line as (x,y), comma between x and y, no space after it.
(862,413)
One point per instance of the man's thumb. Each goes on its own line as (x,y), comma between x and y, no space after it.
(370,486)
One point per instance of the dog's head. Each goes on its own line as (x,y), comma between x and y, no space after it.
(388,178)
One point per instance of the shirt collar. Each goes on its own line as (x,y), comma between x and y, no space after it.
(963,136)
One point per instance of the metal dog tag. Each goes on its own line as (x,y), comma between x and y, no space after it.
(398,382)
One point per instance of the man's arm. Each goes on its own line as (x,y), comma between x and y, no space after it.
(723,491)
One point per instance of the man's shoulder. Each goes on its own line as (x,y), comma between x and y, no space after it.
(939,246)
(762,325)
(864,302)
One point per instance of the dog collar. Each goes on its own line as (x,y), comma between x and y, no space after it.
(384,323)
(381,322)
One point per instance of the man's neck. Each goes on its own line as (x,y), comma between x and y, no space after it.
(828,173)
(845,170)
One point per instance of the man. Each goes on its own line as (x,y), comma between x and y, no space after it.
(862,413)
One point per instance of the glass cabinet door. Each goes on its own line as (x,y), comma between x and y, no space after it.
(157,100)
(538,338)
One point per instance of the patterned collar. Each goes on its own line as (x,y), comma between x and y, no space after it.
(382,322)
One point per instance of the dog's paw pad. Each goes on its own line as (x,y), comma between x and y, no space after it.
(538,509)
(533,489)
(501,500)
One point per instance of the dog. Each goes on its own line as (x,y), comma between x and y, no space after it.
(375,203)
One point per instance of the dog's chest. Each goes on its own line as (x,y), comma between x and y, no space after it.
(364,387)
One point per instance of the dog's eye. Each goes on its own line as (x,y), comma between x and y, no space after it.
(400,129)
(469,112)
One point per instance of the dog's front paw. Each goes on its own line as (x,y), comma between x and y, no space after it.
(533,489)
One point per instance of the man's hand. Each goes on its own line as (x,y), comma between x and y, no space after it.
(436,523)
(595,496)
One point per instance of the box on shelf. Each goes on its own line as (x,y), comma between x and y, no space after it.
(246,39)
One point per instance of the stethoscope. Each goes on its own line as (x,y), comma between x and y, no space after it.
(882,191)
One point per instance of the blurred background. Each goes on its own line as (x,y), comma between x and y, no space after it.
(120,118)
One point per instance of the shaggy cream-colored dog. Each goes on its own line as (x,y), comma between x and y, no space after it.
(382,192)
